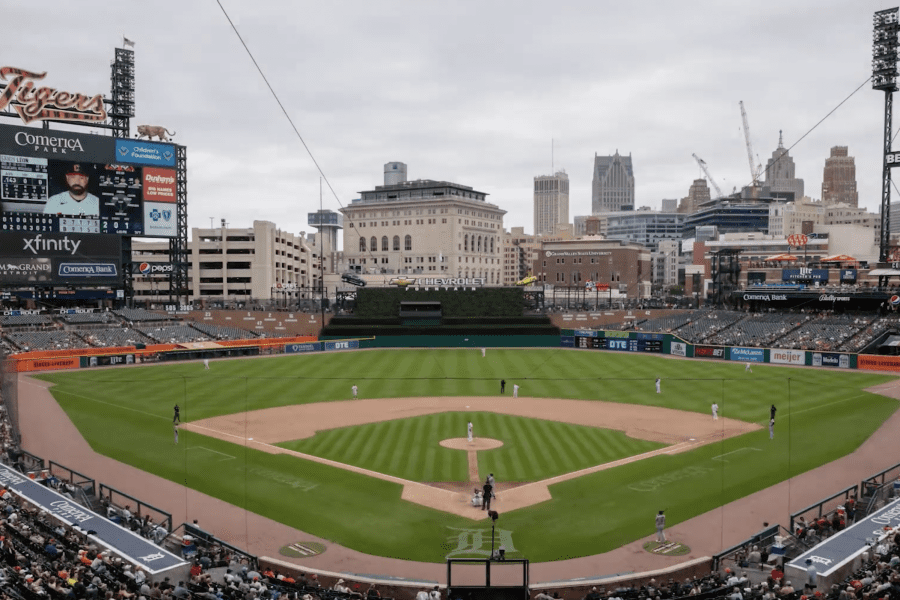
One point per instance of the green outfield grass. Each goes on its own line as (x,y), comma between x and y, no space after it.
(822,415)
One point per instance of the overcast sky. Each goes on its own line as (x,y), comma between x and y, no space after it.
(471,92)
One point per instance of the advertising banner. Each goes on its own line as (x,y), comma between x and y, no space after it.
(878,363)
(650,336)
(145,153)
(848,275)
(567,341)
(804,274)
(159,220)
(63,145)
(56,258)
(107,360)
(678,349)
(586,333)
(159,184)
(145,268)
(831,359)
(709,352)
(308,347)
(342,345)
(747,354)
(787,357)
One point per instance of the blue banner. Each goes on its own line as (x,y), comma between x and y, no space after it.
(145,153)
(567,341)
(586,333)
(804,274)
(651,336)
(342,345)
(747,354)
(134,548)
(831,359)
(306,347)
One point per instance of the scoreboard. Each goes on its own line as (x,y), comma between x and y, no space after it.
(123,186)
(625,344)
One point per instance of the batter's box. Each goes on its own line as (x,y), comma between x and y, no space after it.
(222,454)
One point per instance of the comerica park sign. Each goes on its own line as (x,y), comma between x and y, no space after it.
(40,103)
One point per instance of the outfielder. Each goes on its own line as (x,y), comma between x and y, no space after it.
(657,385)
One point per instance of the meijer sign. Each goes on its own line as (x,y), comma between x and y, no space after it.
(787,357)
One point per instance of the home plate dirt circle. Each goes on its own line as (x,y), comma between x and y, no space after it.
(475,444)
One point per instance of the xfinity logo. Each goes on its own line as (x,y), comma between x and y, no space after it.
(40,243)
(48,143)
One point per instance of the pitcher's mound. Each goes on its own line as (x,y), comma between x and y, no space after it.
(476,443)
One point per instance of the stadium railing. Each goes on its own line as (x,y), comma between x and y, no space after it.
(114,497)
(73,477)
(207,538)
(819,507)
(764,538)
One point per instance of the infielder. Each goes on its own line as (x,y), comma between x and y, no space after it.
(355,390)
(657,385)
(515,390)
(715,411)
(470,431)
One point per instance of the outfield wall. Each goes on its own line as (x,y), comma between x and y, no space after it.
(667,343)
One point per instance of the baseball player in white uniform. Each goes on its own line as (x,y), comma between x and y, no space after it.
(715,411)
(515,390)
(470,431)
(747,368)
(483,352)
(355,390)
(657,385)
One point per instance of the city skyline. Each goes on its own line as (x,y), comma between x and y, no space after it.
(453,96)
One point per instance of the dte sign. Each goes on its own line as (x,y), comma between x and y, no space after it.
(617,344)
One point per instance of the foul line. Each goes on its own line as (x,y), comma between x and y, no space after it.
(229,457)
(719,457)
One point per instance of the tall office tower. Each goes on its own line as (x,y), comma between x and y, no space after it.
(697,194)
(613,186)
(394,173)
(780,174)
(839,179)
(551,202)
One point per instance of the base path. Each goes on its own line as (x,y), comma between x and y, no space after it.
(262,429)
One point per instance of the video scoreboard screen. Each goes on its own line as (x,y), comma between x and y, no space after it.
(66,182)
(621,344)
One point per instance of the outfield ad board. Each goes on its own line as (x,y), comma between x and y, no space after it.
(878,363)
(678,348)
(747,354)
(710,352)
(61,181)
(787,357)
(300,348)
(831,359)
(37,259)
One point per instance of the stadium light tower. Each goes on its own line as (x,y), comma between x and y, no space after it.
(885,44)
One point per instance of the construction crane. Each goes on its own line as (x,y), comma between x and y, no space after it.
(754,170)
(709,178)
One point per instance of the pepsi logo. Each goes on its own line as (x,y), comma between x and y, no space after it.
(895,300)
(144,268)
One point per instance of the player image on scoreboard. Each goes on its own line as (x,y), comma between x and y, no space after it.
(74,190)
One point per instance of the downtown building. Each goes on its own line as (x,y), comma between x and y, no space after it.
(423,227)
(551,202)
(839,179)
(572,263)
(612,187)
(781,175)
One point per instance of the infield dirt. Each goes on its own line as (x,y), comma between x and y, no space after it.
(680,430)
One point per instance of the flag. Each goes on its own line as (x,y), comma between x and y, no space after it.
(127,42)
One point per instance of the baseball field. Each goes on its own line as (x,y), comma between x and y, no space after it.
(583,459)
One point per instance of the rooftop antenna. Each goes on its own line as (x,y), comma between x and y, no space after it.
(552,159)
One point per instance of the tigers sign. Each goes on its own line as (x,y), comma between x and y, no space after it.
(36,104)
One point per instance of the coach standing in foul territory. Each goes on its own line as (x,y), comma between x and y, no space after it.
(177,417)
(502,386)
